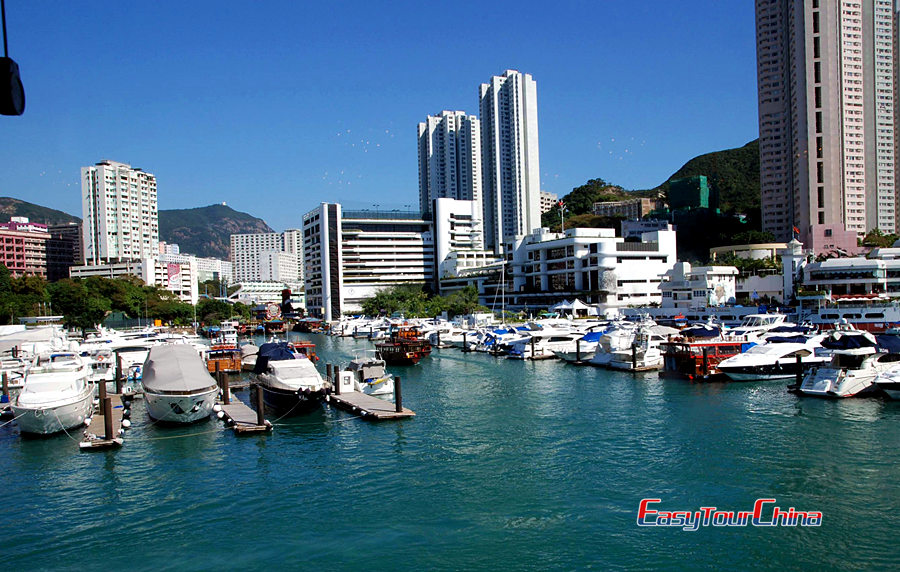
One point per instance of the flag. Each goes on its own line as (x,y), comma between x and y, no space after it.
(560,204)
(796,230)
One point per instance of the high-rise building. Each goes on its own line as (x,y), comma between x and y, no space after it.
(118,205)
(247,251)
(510,162)
(825,72)
(63,249)
(352,255)
(449,158)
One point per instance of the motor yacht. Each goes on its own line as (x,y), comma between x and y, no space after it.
(177,385)
(56,395)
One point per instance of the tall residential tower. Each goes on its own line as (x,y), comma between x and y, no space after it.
(510,164)
(449,158)
(121,221)
(825,72)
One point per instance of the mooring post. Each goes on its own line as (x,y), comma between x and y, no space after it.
(532,347)
(705,361)
(633,356)
(260,406)
(107,417)
(119,374)
(578,350)
(439,338)
(465,347)
(799,371)
(329,372)
(398,396)
(226,390)
(5,387)
(337,385)
(101,388)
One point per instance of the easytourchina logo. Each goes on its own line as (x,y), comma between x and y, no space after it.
(764,513)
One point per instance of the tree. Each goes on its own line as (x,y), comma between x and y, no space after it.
(7,302)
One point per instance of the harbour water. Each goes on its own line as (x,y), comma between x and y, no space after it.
(508,465)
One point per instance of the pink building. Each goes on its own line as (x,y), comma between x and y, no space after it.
(23,247)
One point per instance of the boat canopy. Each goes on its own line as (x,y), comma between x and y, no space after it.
(175,368)
(249,350)
(701,331)
(272,351)
(889,343)
(849,341)
(592,336)
(786,339)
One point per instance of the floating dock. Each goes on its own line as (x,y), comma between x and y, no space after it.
(241,418)
(369,407)
(104,432)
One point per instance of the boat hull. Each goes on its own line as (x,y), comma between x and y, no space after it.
(53,419)
(294,402)
(181,408)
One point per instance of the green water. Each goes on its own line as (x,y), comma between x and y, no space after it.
(508,465)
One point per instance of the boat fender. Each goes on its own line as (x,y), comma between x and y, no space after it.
(126,413)
(126,424)
(217,408)
(220,414)
(121,431)
(87,421)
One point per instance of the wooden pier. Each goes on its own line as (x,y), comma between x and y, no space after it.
(366,406)
(106,424)
(238,415)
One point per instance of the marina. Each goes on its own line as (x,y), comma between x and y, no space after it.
(535,462)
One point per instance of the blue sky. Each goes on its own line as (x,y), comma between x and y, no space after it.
(274,107)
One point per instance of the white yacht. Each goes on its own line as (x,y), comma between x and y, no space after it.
(644,353)
(369,374)
(290,381)
(855,363)
(56,395)
(889,382)
(177,386)
(772,361)
(542,344)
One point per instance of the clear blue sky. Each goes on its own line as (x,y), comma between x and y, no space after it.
(274,107)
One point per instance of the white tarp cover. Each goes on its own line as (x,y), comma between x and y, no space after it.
(20,337)
(175,368)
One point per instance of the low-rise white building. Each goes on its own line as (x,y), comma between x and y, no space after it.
(591,264)
(252,293)
(695,288)
(178,278)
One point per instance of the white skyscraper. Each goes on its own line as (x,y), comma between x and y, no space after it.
(121,221)
(510,162)
(825,71)
(248,251)
(449,158)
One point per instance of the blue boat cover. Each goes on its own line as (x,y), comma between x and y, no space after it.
(701,331)
(889,343)
(592,336)
(786,339)
(271,351)
(841,341)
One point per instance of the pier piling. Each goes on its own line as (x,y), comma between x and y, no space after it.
(705,370)
(101,389)
(107,417)
(226,390)
(5,387)
(799,371)
(119,375)
(577,350)
(260,407)
(634,357)
(398,396)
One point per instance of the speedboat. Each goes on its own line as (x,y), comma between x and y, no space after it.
(369,375)
(56,395)
(644,353)
(177,385)
(889,382)
(290,381)
(855,363)
(772,361)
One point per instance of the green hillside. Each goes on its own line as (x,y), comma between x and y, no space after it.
(206,231)
(10,207)
(734,173)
